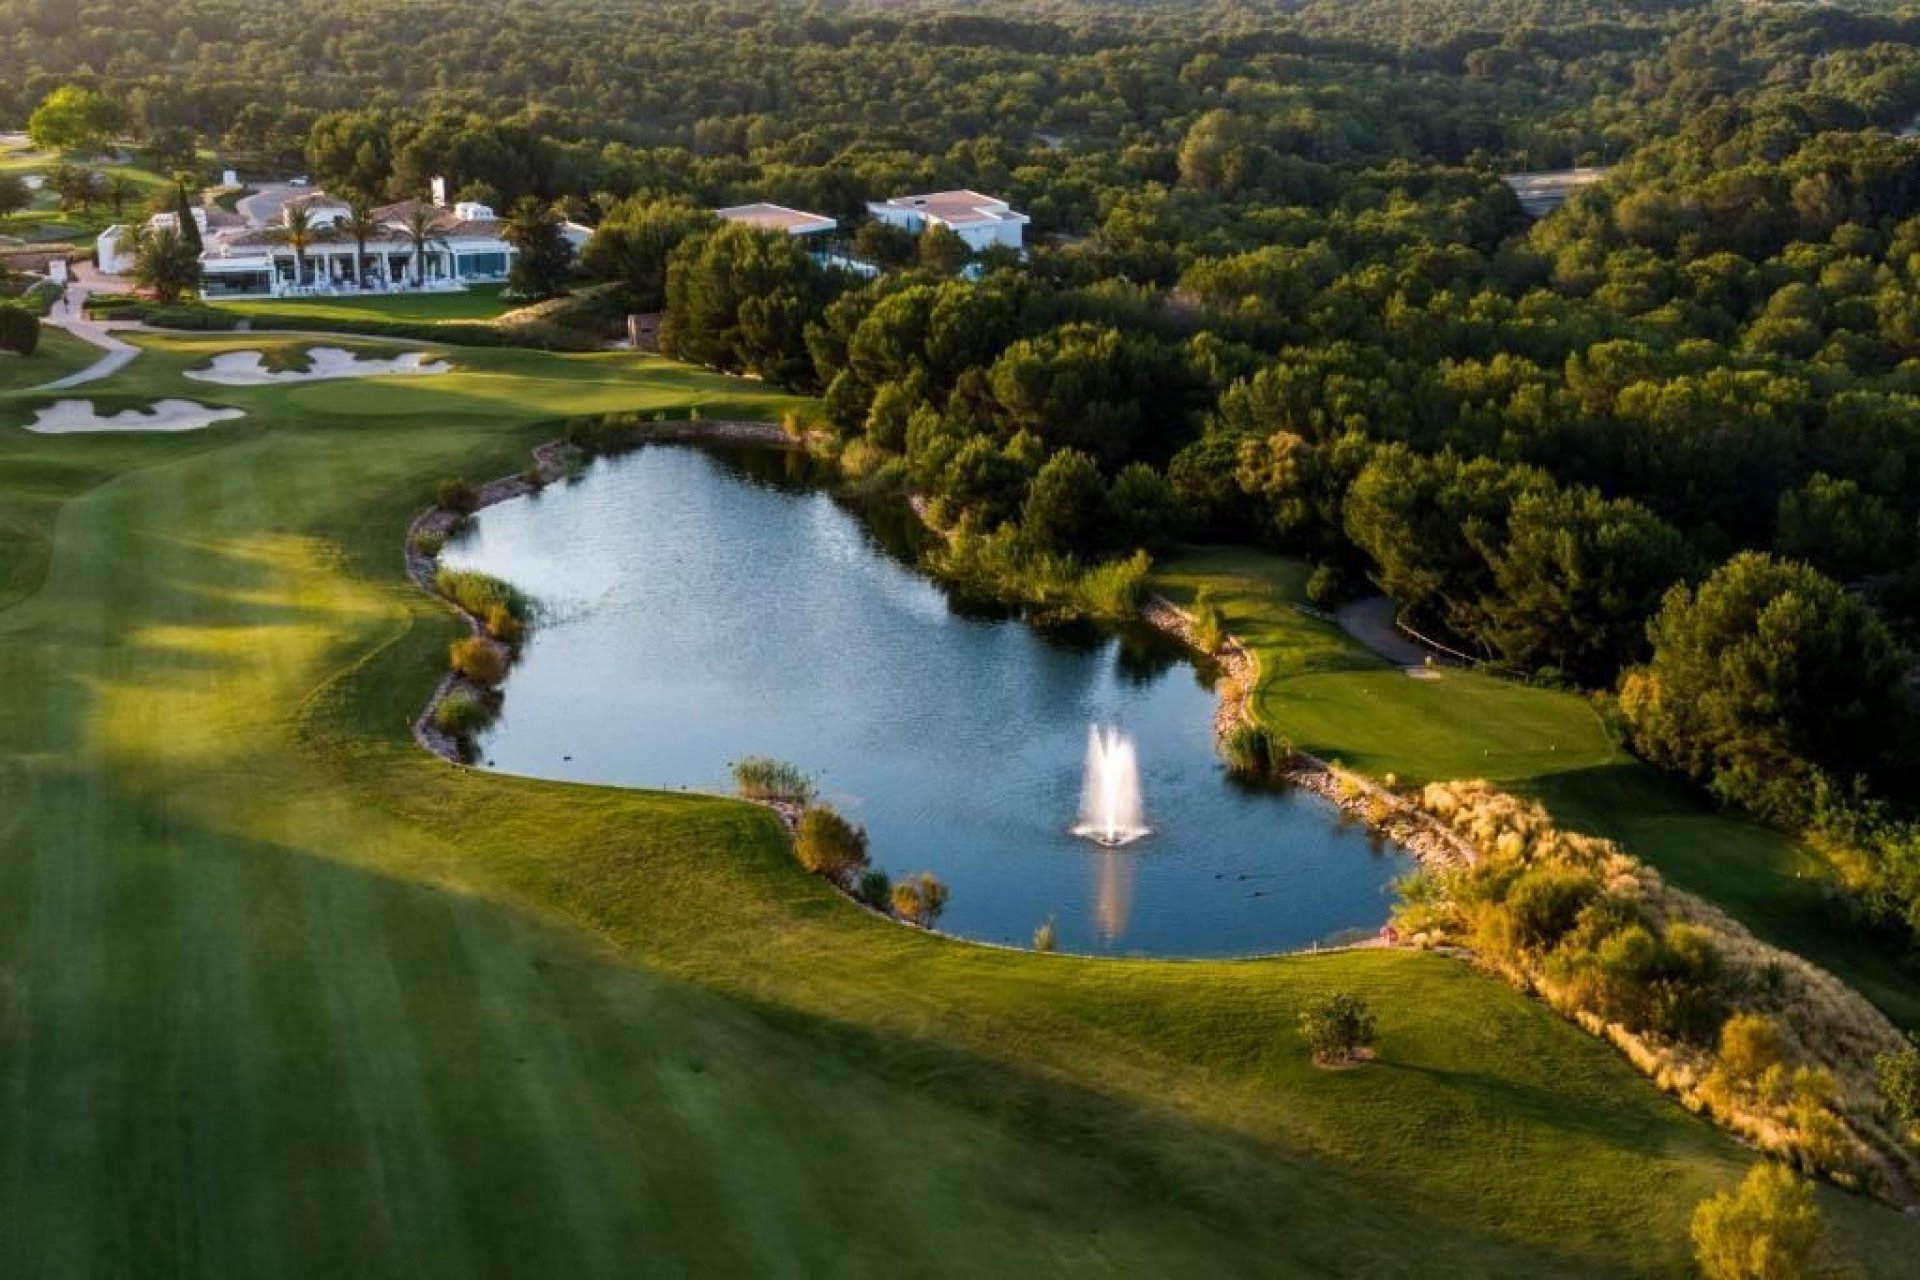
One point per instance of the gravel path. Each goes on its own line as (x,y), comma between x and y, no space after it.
(1370,622)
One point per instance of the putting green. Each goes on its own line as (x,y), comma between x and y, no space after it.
(282,995)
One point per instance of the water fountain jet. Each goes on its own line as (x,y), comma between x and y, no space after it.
(1111,810)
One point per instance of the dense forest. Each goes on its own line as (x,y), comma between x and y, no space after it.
(1662,444)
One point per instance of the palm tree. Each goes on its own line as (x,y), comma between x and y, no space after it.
(420,233)
(166,264)
(120,189)
(361,225)
(298,235)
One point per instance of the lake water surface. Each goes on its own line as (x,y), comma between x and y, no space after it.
(697,607)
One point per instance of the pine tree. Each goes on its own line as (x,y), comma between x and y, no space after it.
(183,210)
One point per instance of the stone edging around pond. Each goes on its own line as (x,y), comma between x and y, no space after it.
(1418,832)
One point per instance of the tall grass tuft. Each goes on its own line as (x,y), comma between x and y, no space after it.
(764,778)
(1255,753)
(1209,625)
(481,595)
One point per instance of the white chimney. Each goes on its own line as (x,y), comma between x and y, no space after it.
(440,192)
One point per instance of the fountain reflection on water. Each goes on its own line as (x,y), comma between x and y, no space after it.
(1112,812)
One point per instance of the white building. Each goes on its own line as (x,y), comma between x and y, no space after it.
(981,221)
(777,217)
(251,256)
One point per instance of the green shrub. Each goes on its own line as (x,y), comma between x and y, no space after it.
(1544,905)
(456,495)
(828,845)
(920,899)
(1046,938)
(19,330)
(1649,979)
(1768,1229)
(764,778)
(461,713)
(874,887)
(1899,1076)
(190,317)
(429,542)
(1337,1026)
(479,660)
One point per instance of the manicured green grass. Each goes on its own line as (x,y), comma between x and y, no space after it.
(1333,698)
(482,302)
(59,354)
(284,995)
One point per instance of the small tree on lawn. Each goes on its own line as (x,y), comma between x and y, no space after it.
(920,899)
(828,845)
(1768,1229)
(15,195)
(1337,1027)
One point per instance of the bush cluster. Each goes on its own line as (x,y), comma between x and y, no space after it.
(1771,1046)
(1338,1027)
(462,713)
(480,660)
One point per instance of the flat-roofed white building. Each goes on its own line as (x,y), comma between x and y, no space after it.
(777,217)
(981,221)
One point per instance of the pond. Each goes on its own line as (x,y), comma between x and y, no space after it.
(696,607)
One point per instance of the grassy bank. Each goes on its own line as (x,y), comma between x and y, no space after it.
(59,354)
(482,302)
(1337,700)
(285,995)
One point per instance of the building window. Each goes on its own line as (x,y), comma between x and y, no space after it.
(482,265)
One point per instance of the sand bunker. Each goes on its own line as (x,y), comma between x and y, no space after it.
(249,368)
(65,416)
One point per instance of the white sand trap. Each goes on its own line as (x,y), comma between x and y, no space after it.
(66,416)
(249,368)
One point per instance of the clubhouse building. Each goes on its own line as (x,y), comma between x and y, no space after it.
(417,246)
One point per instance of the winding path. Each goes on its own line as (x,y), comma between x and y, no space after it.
(69,313)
